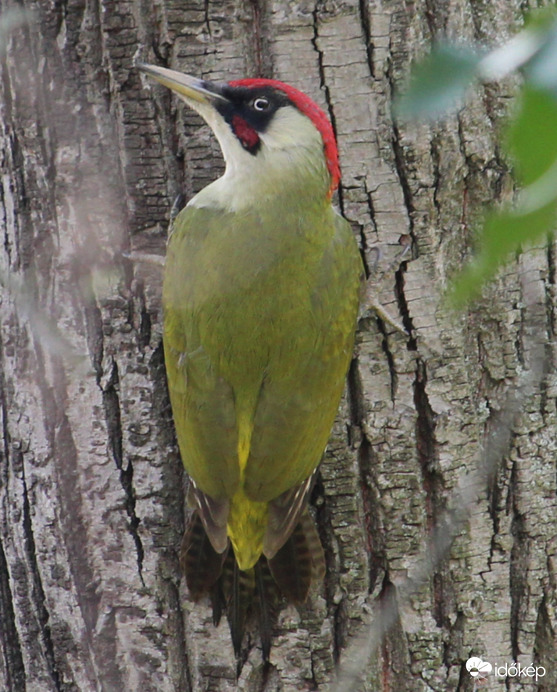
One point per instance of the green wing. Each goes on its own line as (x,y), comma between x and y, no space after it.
(298,402)
(260,314)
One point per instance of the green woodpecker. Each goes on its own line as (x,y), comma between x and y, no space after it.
(260,298)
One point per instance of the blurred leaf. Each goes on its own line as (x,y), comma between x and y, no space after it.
(532,139)
(532,135)
(12,19)
(540,193)
(502,234)
(436,85)
(541,18)
(50,336)
(512,55)
(438,82)
(541,69)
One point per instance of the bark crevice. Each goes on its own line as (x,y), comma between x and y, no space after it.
(111,401)
(9,636)
(39,597)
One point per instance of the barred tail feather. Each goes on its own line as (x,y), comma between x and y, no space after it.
(314,546)
(267,602)
(200,562)
(299,562)
(239,603)
(253,595)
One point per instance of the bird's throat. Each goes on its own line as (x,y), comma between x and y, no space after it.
(279,176)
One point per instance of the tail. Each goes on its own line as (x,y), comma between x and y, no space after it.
(299,562)
(252,596)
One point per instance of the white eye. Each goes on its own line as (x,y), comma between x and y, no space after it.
(260,104)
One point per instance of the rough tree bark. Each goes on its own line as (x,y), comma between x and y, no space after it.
(91,485)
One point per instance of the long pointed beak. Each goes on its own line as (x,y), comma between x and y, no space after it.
(190,88)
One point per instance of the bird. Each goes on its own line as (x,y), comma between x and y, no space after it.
(262,285)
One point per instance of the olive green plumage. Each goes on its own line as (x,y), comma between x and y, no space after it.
(259,323)
(260,309)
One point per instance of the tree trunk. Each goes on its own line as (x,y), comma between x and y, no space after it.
(91,484)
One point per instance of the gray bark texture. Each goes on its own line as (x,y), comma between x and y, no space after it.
(91,484)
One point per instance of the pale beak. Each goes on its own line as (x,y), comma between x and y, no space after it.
(189,88)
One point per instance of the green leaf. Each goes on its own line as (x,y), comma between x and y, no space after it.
(532,139)
(532,136)
(438,82)
(502,234)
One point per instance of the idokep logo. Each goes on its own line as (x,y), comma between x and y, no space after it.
(480,670)
(516,670)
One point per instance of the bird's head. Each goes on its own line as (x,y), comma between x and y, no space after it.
(268,131)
